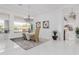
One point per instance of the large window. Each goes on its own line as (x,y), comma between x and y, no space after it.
(22,27)
(1,26)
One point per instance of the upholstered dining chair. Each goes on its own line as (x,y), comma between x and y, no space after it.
(35,36)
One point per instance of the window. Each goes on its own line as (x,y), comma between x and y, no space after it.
(1,26)
(22,27)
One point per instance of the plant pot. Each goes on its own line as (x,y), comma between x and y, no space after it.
(54,37)
(77,35)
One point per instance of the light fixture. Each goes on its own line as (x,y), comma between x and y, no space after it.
(72,14)
(28,18)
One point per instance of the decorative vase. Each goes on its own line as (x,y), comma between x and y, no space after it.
(55,35)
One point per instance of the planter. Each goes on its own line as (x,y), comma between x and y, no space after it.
(77,35)
(54,37)
(77,32)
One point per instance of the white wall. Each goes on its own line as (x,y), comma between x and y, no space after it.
(45,33)
(55,23)
(56,19)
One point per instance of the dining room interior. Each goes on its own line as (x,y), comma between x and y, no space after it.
(39,29)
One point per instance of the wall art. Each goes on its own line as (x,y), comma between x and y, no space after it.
(45,24)
(38,24)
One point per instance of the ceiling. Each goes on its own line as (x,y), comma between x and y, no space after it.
(35,9)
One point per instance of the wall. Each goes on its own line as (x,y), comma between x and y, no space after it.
(55,23)
(45,33)
(56,19)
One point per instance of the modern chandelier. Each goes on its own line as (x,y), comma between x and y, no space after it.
(28,18)
(72,14)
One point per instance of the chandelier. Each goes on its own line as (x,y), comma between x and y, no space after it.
(28,18)
(72,14)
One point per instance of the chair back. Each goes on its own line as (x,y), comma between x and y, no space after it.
(37,31)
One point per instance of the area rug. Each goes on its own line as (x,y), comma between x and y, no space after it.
(25,44)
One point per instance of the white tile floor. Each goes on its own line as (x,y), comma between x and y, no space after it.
(50,47)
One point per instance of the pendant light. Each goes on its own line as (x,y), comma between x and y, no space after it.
(28,18)
(72,14)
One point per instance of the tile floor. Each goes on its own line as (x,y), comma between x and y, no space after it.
(58,47)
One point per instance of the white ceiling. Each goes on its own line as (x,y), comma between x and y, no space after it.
(35,9)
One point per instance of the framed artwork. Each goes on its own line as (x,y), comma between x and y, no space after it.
(38,24)
(45,24)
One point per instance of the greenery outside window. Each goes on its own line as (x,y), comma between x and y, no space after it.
(22,27)
(1,26)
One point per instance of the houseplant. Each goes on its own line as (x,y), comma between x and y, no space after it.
(77,32)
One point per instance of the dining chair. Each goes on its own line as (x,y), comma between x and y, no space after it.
(35,36)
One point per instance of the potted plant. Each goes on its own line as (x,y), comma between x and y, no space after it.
(77,32)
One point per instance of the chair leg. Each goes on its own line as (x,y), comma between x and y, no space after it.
(37,40)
